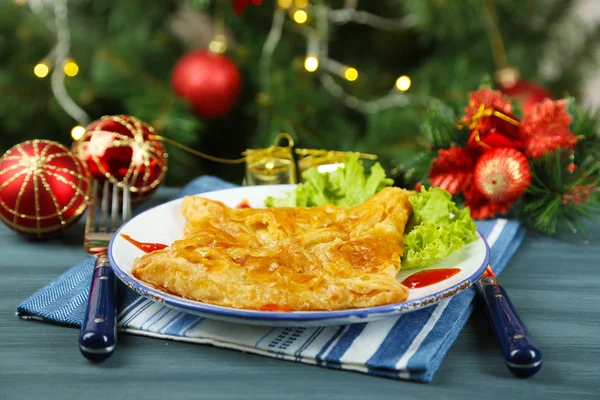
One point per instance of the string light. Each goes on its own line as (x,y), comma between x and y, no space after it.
(351,74)
(311,64)
(41,70)
(403,83)
(284,3)
(300,16)
(218,44)
(318,50)
(71,68)
(57,21)
(77,132)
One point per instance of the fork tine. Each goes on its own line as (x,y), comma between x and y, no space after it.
(126,203)
(114,212)
(104,208)
(91,218)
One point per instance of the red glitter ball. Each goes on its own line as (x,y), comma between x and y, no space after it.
(502,175)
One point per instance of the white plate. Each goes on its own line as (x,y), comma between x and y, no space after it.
(164,224)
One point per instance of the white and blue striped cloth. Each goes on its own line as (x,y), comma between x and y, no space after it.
(408,347)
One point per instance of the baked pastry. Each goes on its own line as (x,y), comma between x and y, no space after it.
(294,259)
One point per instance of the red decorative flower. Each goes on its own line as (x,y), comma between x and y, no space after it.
(481,207)
(546,128)
(452,170)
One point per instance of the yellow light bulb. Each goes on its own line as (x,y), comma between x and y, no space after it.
(403,83)
(351,74)
(284,3)
(77,132)
(217,46)
(71,68)
(300,16)
(41,70)
(311,64)
(301,3)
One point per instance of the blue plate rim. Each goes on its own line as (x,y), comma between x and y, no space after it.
(300,316)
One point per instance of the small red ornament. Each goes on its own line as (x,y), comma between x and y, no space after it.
(546,128)
(526,93)
(239,6)
(490,120)
(502,175)
(452,170)
(122,149)
(210,82)
(43,188)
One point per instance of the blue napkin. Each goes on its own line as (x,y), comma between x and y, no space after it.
(410,347)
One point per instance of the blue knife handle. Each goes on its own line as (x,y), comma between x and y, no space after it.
(523,357)
(98,336)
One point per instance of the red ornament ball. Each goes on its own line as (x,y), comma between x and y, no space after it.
(502,175)
(527,94)
(210,82)
(43,188)
(123,149)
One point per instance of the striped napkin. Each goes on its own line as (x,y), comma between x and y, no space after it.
(410,347)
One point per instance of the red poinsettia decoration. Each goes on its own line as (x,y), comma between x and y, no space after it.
(452,170)
(492,171)
(546,128)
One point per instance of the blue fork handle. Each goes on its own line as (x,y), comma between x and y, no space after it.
(523,357)
(98,336)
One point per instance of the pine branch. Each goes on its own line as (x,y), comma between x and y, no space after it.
(439,127)
(558,200)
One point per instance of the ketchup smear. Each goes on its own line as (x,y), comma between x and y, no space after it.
(145,247)
(243,204)
(429,277)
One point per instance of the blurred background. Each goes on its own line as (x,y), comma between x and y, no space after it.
(334,74)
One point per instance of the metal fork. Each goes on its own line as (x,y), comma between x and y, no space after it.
(98,336)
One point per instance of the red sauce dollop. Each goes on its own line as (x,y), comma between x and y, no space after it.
(145,247)
(274,307)
(243,204)
(429,277)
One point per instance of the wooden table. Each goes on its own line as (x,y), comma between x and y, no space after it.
(554,284)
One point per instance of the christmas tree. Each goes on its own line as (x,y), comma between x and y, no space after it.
(339,75)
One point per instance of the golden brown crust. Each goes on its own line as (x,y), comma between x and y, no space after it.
(302,259)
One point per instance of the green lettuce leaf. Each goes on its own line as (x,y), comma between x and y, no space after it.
(346,186)
(439,228)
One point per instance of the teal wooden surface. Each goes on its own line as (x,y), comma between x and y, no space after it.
(554,284)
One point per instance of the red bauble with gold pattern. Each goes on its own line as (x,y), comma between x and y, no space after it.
(123,149)
(502,175)
(43,188)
